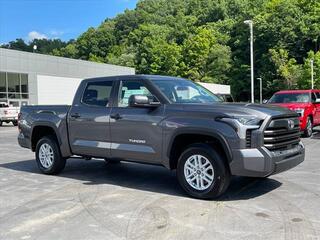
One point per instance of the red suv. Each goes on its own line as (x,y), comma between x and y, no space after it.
(305,102)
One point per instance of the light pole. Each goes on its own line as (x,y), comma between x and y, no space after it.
(250,23)
(312,83)
(260,80)
(35,48)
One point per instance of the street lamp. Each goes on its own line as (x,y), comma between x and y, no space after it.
(312,83)
(250,23)
(35,48)
(260,80)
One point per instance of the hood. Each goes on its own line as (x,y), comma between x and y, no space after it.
(232,109)
(292,105)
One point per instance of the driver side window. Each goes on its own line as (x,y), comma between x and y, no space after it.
(133,87)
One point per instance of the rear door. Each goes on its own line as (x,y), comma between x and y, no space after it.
(89,129)
(135,131)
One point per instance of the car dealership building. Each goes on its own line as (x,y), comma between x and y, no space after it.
(31,78)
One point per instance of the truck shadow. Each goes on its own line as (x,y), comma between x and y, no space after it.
(145,177)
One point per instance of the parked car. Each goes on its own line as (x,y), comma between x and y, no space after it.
(154,120)
(8,114)
(225,97)
(304,102)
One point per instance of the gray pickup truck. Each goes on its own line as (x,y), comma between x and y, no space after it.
(165,121)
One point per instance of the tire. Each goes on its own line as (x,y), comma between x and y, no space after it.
(212,161)
(47,147)
(0,123)
(308,131)
(15,123)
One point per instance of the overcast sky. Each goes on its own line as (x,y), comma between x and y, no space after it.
(65,19)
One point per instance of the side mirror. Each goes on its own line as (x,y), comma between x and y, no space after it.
(317,100)
(265,101)
(141,101)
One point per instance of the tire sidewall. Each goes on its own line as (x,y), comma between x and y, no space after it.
(306,132)
(220,171)
(56,155)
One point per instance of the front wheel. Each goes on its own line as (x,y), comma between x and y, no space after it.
(48,156)
(202,172)
(0,123)
(309,127)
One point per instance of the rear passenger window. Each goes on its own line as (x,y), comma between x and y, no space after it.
(97,93)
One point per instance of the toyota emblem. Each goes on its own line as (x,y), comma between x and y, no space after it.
(290,124)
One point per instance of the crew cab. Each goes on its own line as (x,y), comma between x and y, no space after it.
(305,102)
(167,121)
(8,114)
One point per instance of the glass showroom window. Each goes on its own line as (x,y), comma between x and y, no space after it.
(3,87)
(13,86)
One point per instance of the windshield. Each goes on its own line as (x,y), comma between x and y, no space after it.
(185,91)
(290,98)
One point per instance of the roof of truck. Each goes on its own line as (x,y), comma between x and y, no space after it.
(138,76)
(297,91)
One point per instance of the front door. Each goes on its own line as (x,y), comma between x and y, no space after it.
(89,130)
(317,106)
(136,132)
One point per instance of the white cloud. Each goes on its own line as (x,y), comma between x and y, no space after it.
(56,33)
(36,35)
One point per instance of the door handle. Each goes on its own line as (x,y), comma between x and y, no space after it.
(75,115)
(115,116)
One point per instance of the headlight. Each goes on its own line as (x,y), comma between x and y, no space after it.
(243,120)
(242,123)
(300,111)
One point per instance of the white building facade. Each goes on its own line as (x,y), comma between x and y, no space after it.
(31,78)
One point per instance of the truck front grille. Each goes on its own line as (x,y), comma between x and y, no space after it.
(282,134)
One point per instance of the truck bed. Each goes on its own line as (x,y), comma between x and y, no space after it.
(53,116)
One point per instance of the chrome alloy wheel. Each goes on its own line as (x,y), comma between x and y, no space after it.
(46,155)
(198,172)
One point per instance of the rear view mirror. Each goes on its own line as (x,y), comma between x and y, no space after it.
(265,101)
(141,101)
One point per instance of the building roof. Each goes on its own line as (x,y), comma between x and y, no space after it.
(26,62)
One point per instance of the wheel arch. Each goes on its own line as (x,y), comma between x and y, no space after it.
(40,130)
(181,139)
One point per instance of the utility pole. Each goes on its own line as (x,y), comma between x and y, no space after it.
(312,81)
(250,23)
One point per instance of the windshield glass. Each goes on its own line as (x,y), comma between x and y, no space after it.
(290,98)
(185,91)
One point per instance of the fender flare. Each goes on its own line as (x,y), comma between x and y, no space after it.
(217,136)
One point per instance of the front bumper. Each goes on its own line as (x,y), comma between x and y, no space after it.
(260,162)
(9,119)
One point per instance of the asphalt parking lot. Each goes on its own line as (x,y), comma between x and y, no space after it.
(92,200)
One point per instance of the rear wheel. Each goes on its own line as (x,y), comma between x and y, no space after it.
(0,123)
(15,123)
(202,172)
(48,156)
(309,127)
